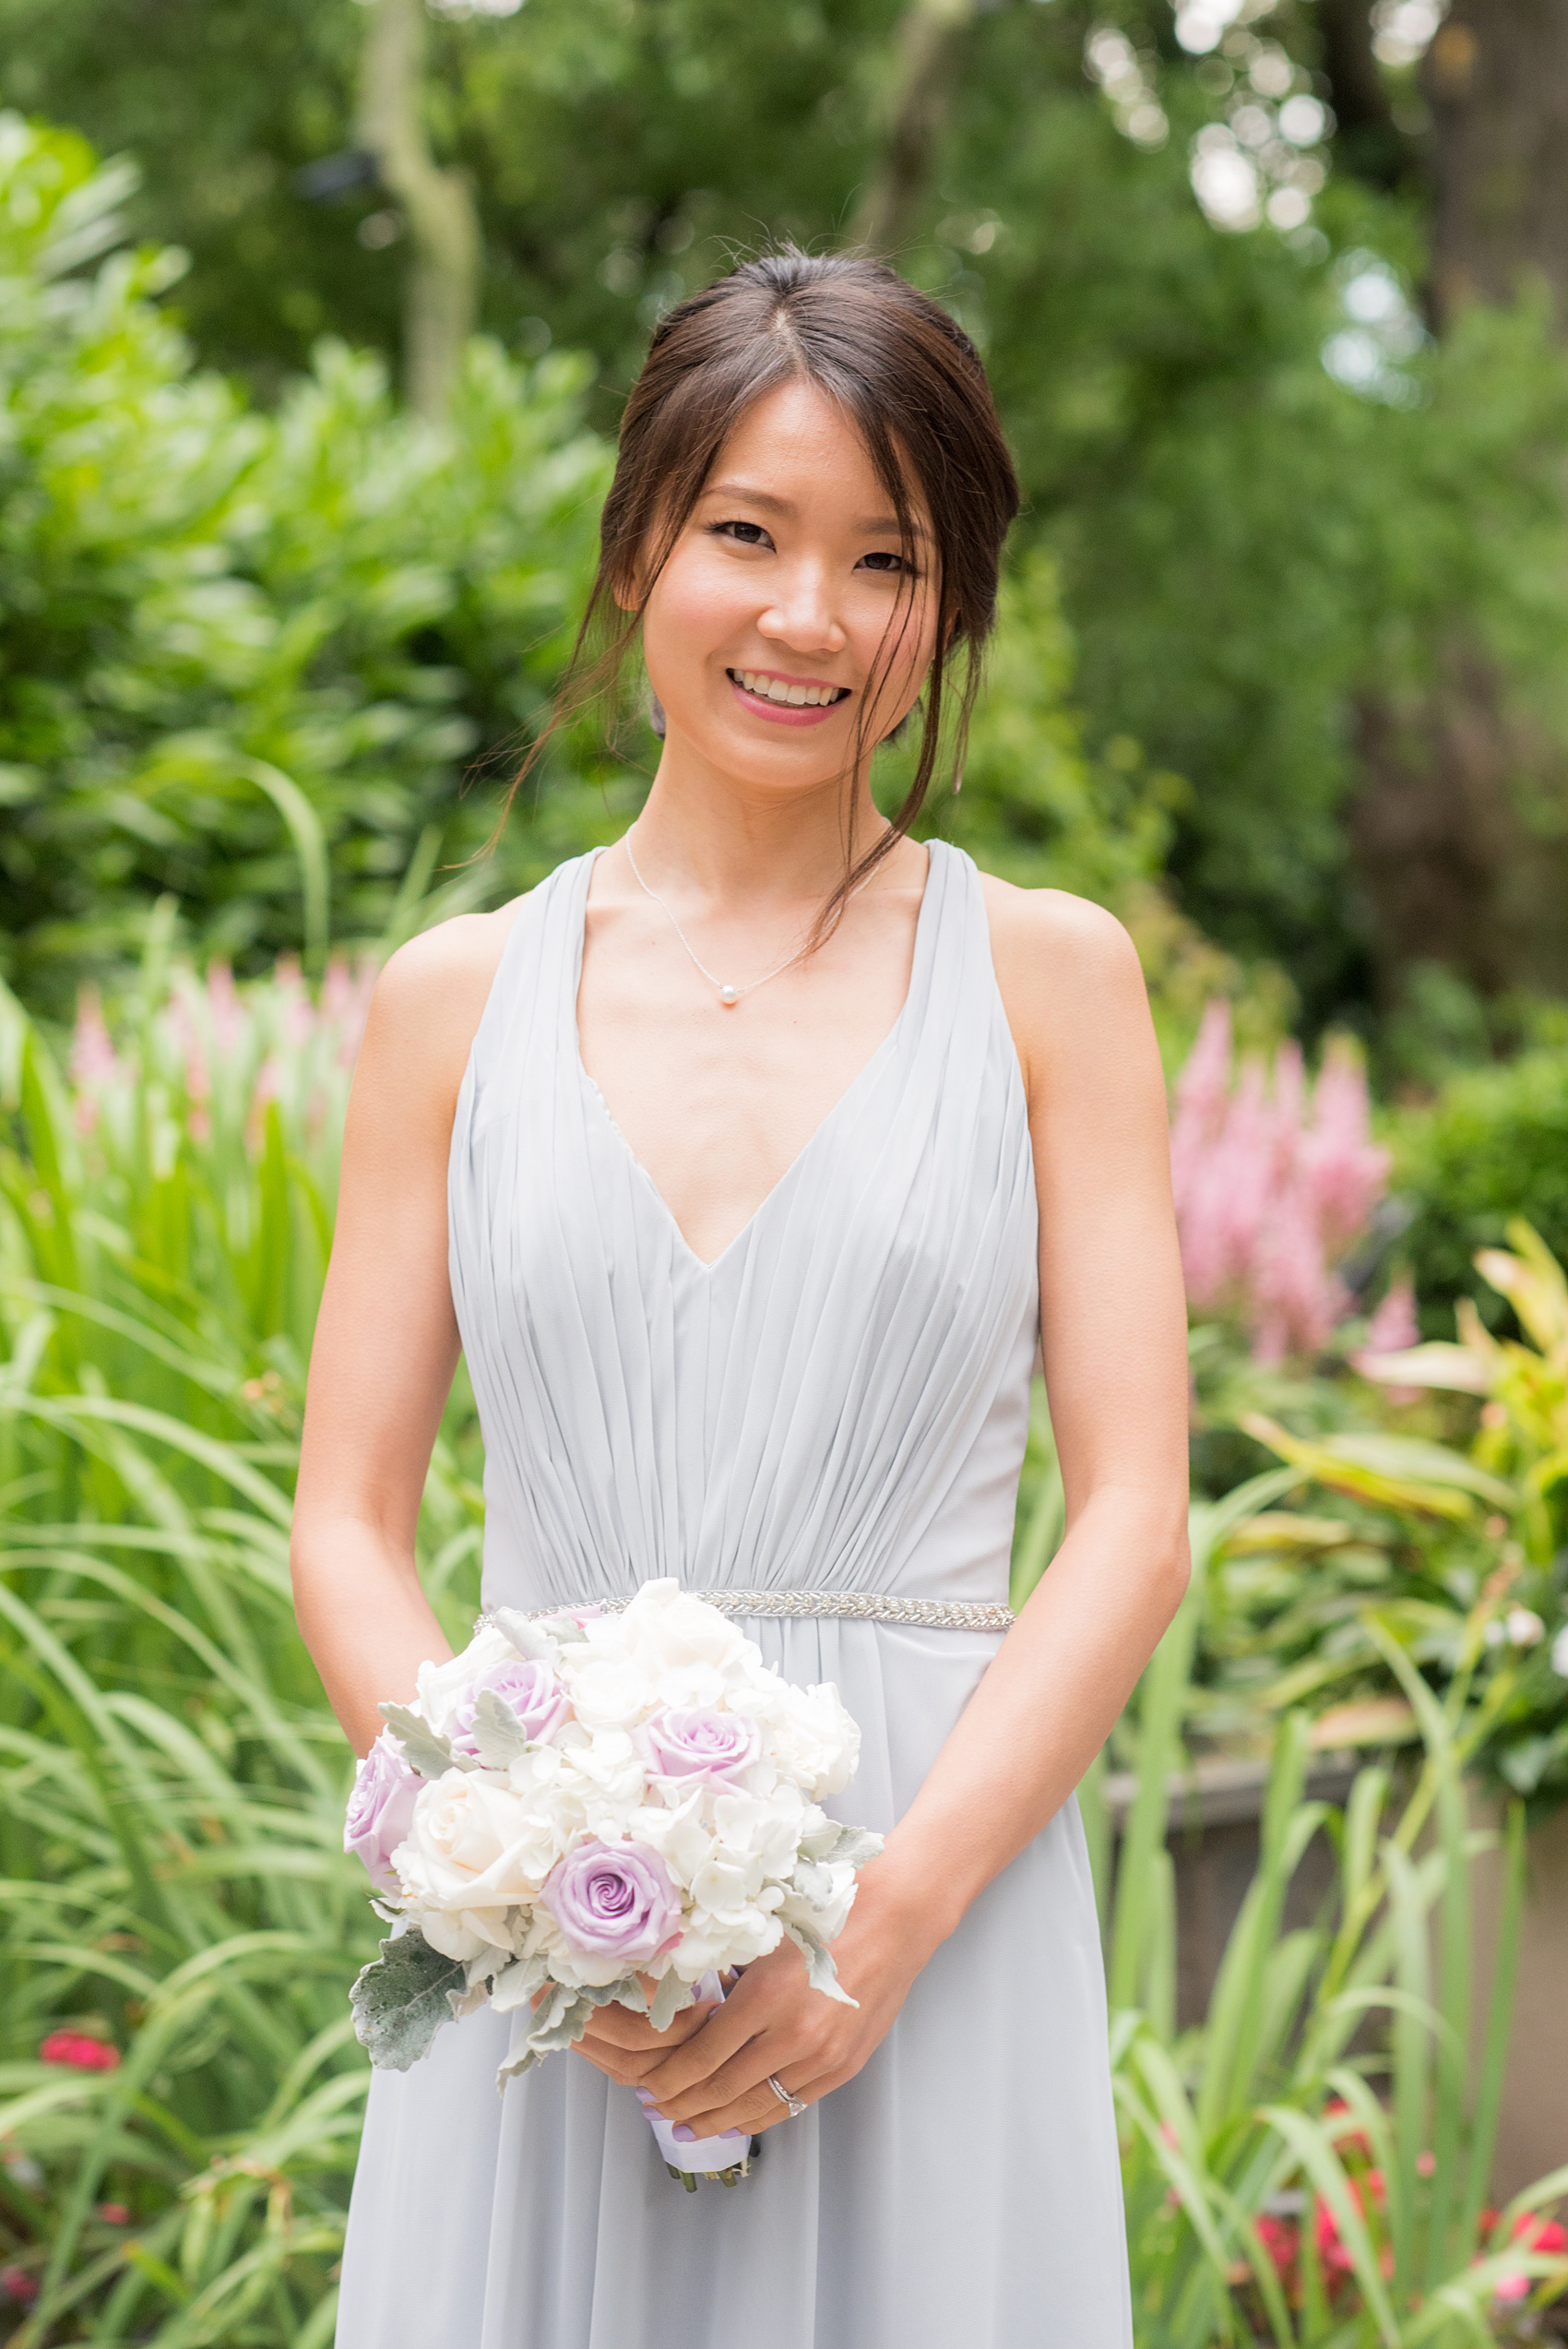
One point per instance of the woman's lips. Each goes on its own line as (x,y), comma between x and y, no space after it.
(784,713)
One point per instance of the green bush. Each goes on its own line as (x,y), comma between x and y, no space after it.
(1493,1145)
(246,658)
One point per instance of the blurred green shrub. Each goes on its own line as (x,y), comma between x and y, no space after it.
(1492,1145)
(244,659)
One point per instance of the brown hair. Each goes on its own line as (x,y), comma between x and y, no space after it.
(910,381)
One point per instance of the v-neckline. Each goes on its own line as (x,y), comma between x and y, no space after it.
(708,1265)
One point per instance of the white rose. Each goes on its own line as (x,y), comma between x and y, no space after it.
(474,1849)
(454,1937)
(441,1685)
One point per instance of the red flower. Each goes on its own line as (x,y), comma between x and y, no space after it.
(114,2214)
(1532,2233)
(16,2285)
(1336,2259)
(81,2051)
(1280,2240)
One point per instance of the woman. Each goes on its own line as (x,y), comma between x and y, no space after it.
(749,1161)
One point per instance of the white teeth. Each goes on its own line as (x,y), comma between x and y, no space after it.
(776,689)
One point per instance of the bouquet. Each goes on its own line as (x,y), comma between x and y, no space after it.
(581,1805)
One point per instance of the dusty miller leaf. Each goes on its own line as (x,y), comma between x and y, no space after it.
(670,1997)
(422,1749)
(498,1732)
(518,1983)
(402,1998)
(821,1972)
(528,1639)
(561,2022)
(856,1844)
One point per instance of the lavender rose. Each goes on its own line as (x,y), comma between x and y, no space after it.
(528,1689)
(696,1742)
(615,1900)
(381,1809)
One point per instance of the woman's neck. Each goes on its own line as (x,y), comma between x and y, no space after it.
(739,844)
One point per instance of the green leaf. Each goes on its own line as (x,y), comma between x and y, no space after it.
(402,1998)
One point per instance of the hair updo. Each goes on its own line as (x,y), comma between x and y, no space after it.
(909,381)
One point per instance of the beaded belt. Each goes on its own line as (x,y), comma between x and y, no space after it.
(852,1606)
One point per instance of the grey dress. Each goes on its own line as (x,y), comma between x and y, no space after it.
(840,1401)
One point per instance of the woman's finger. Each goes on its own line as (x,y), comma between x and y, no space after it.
(727,2030)
(756,2109)
(614,2026)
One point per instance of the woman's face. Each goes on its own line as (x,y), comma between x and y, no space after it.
(783,595)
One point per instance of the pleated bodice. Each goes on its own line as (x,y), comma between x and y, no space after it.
(840,1400)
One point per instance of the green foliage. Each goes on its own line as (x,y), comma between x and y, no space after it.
(1284,2178)
(1493,1144)
(245,660)
(171,1876)
(1250,551)
(1038,807)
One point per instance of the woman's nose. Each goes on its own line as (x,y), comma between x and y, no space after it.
(801,615)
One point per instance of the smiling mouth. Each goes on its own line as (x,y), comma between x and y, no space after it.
(788,697)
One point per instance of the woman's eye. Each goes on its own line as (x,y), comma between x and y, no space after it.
(887,564)
(744,533)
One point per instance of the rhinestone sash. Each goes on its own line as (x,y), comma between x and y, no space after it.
(852,1606)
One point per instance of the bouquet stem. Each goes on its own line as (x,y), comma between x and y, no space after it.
(726,2157)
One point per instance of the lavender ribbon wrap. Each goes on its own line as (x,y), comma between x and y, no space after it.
(703,2156)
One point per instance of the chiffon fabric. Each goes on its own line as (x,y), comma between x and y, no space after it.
(837,1402)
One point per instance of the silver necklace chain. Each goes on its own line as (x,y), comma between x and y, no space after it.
(728,996)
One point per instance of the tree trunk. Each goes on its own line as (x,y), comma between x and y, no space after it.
(441,300)
(1496,78)
(1368,142)
(1452,873)
(1449,863)
(928,33)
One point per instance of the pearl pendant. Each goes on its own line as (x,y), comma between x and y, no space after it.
(729,995)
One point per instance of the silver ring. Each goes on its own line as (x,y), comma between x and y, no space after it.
(796,2105)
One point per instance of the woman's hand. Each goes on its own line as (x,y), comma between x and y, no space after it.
(773,2021)
(626,2046)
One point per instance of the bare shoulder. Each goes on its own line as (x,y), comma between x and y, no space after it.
(1069,977)
(427,1003)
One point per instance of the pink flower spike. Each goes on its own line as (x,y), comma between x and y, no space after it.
(16,2285)
(113,2213)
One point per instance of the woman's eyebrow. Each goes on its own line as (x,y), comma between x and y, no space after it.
(873,525)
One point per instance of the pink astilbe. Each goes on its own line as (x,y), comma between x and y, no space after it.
(1392,1329)
(94,1061)
(345,1003)
(1274,1179)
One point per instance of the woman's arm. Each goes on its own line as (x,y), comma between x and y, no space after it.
(1113,1327)
(385,1341)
